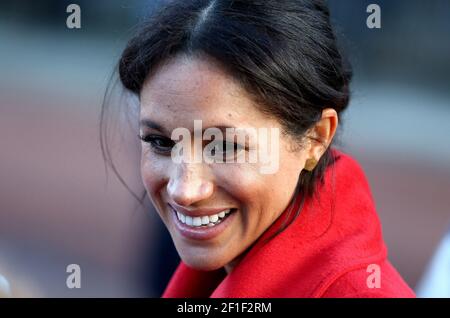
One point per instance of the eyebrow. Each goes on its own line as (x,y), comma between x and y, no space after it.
(148,123)
(151,124)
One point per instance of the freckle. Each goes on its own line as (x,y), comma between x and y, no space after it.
(229,115)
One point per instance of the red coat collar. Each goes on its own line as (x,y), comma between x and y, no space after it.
(335,233)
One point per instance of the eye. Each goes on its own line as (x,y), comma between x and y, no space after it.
(226,149)
(158,143)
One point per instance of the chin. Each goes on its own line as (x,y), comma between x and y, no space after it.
(203,263)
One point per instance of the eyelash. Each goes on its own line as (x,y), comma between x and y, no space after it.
(152,141)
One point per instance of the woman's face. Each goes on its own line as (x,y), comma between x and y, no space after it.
(213,211)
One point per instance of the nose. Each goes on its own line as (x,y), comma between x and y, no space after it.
(189,185)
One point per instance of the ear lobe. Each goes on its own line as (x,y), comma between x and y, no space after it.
(310,164)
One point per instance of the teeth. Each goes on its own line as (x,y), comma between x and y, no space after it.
(207,220)
(197,221)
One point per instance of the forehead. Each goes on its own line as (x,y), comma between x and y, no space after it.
(185,89)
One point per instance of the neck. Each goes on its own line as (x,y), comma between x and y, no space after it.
(231,265)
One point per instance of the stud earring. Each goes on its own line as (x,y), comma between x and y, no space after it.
(310,164)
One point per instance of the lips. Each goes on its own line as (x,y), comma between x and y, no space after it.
(198,212)
(206,220)
(202,227)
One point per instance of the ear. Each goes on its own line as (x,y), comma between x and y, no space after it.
(322,133)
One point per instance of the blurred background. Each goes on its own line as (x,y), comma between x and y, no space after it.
(59,206)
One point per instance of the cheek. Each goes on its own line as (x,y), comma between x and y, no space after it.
(154,172)
(262,196)
(248,182)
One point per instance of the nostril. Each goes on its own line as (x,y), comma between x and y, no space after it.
(184,195)
(187,192)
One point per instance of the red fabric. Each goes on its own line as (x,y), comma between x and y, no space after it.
(325,252)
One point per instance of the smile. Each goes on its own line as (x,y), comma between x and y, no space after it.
(206,220)
(202,227)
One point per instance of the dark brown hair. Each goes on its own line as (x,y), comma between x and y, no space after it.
(283,52)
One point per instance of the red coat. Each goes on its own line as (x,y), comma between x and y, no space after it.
(325,252)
